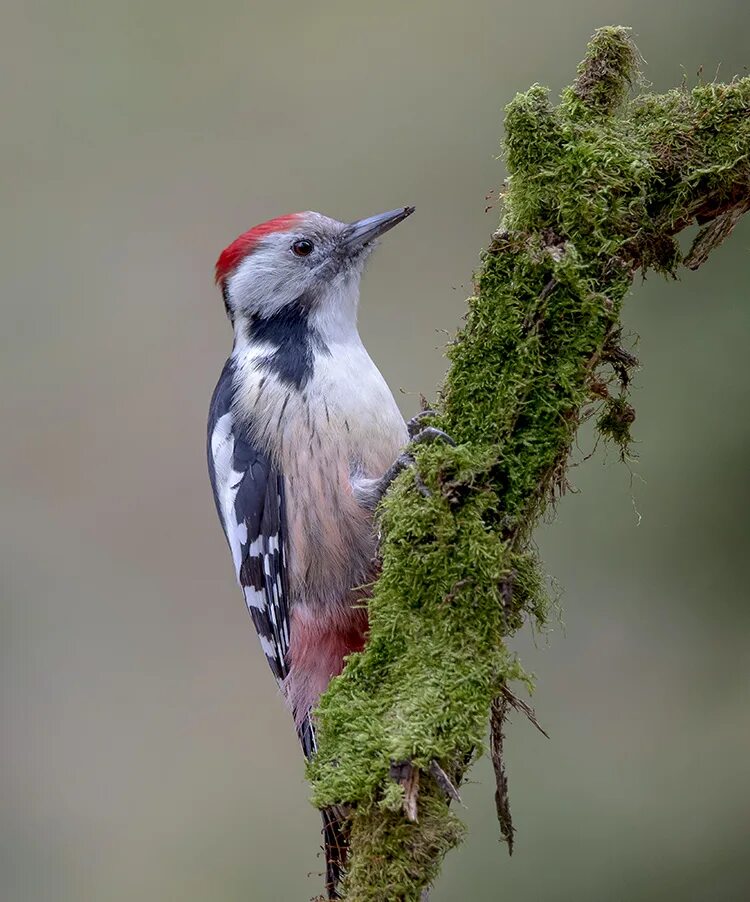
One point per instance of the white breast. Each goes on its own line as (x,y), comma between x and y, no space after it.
(343,424)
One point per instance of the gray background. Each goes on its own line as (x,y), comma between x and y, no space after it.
(145,752)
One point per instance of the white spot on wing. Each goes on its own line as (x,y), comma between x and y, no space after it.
(227,481)
(254,598)
(268,647)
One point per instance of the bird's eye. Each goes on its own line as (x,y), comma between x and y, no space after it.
(302,248)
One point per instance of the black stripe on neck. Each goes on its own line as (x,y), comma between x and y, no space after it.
(294,339)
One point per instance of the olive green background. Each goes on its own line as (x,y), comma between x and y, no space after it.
(146,754)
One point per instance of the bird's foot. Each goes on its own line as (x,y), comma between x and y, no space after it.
(415,423)
(429,435)
(378,487)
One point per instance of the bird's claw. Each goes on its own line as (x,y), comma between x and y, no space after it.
(406,460)
(376,489)
(415,423)
(431,434)
(425,435)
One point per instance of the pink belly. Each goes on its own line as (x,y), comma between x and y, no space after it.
(319,642)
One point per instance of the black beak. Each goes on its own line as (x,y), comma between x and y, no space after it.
(363,231)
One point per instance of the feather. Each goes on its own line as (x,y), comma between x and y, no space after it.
(249,496)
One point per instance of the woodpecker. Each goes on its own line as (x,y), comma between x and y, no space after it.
(304,437)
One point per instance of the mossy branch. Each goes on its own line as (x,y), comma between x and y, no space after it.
(599,187)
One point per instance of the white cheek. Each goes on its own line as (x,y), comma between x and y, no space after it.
(268,279)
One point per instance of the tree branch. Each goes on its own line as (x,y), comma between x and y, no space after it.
(599,187)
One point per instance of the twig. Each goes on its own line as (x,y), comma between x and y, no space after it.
(520,705)
(502,802)
(407,775)
(444,782)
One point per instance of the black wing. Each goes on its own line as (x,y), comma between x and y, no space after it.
(249,495)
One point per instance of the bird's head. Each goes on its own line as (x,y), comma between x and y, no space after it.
(304,261)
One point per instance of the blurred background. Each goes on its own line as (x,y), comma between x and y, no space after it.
(145,751)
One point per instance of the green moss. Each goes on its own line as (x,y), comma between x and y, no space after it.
(393,855)
(605,74)
(615,420)
(598,188)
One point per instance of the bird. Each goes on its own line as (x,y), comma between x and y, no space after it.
(304,438)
